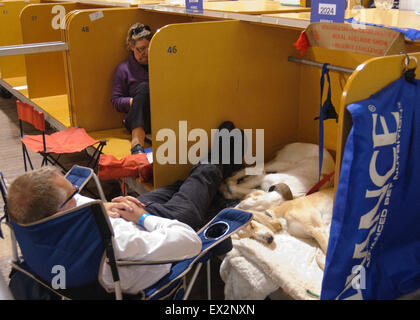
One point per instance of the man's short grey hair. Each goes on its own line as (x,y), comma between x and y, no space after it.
(33,196)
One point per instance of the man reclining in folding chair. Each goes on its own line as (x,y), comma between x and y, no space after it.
(189,201)
(139,234)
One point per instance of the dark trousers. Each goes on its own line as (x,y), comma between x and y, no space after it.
(139,114)
(187,201)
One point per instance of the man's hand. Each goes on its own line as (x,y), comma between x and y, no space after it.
(128,208)
(111,208)
(130,199)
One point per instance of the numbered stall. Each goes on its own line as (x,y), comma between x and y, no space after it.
(46,80)
(96,40)
(45,75)
(12,68)
(249,80)
(41,24)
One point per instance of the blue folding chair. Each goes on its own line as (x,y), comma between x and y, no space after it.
(77,242)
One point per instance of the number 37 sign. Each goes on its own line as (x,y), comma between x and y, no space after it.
(328,10)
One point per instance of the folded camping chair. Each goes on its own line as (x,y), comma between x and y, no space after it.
(85,232)
(67,141)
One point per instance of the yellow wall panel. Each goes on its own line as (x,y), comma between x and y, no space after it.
(45,71)
(10,34)
(228,70)
(371,76)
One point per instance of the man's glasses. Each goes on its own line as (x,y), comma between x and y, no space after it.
(76,190)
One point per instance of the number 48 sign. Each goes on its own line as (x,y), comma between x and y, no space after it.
(328,10)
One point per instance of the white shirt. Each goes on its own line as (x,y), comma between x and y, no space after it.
(162,240)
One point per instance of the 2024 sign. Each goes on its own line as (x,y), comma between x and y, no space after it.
(327,9)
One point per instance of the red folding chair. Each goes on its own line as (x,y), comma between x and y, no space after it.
(71,140)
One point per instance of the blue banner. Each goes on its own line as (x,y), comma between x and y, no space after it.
(374,245)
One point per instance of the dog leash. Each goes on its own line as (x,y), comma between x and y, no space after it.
(326,111)
(320,183)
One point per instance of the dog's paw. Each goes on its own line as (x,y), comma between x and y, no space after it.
(277,225)
(236,235)
(320,258)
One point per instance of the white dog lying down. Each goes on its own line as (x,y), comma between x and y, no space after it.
(296,165)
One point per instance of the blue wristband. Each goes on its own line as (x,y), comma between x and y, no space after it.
(141,220)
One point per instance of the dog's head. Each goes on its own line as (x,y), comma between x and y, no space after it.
(260,200)
(283,189)
(261,233)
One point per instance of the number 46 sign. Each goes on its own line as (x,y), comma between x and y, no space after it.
(328,10)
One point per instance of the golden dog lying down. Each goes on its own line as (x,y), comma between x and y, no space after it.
(263,225)
(306,217)
(309,216)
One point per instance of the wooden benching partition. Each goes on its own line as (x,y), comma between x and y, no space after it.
(96,40)
(12,68)
(45,74)
(225,70)
(239,71)
(369,78)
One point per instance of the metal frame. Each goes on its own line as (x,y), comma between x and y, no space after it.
(32,48)
(320,65)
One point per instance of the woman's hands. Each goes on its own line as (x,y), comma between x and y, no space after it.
(128,208)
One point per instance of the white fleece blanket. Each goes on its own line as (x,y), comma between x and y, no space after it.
(252,270)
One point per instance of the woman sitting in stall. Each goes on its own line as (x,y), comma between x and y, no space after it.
(130,90)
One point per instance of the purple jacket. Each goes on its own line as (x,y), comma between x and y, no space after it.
(128,75)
